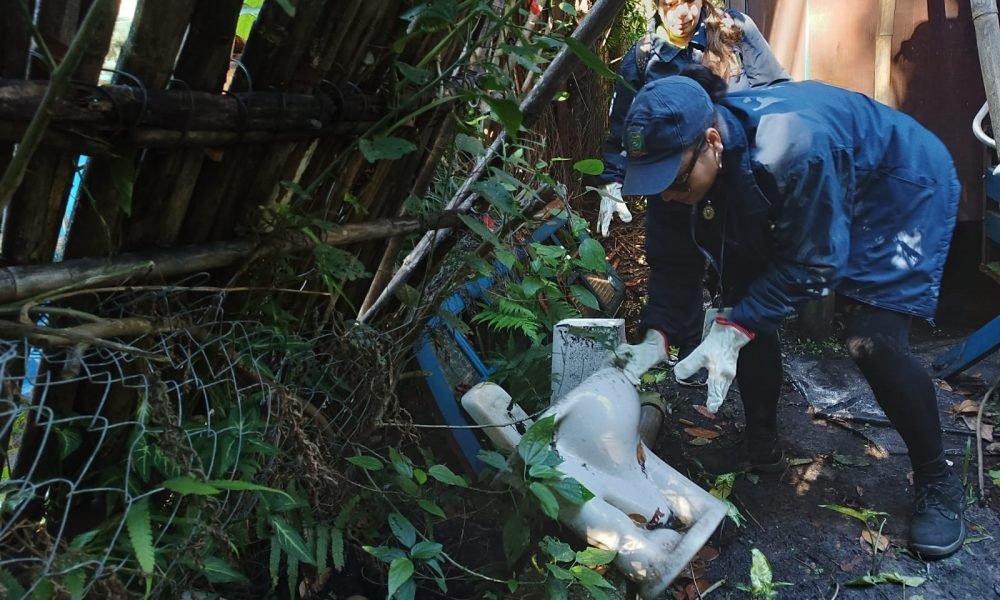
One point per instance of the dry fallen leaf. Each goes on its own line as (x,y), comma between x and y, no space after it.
(965,406)
(798,462)
(703,411)
(850,565)
(694,589)
(944,385)
(811,410)
(699,441)
(640,455)
(985,430)
(708,434)
(686,422)
(707,554)
(820,422)
(868,540)
(638,519)
(993,448)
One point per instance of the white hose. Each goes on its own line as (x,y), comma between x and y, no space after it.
(977,130)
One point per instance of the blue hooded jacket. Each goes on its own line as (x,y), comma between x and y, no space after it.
(822,191)
(758,67)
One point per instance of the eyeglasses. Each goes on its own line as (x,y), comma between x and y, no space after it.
(680,183)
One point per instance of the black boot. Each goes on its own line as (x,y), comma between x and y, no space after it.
(747,456)
(938,529)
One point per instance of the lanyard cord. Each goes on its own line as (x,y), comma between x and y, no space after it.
(717,266)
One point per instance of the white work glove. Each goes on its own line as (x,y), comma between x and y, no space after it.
(611,203)
(636,359)
(718,353)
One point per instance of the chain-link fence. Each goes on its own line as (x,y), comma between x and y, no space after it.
(141,458)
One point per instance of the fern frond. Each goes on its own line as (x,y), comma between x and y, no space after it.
(140,533)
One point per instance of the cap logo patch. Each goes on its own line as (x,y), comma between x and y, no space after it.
(635,141)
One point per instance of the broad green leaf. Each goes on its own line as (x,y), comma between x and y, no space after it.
(402,529)
(760,571)
(571,489)
(238,485)
(559,572)
(506,257)
(420,476)
(568,8)
(593,557)
(587,57)
(409,488)
(385,148)
(69,440)
(123,181)
(292,572)
(368,463)
(585,296)
(508,113)
(559,550)
(550,506)
(477,227)
(445,475)
(287,6)
(556,589)
(291,541)
(186,485)
(531,284)
(592,255)
(400,463)
(494,459)
(497,195)
(426,550)
(407,591)
(469,144)
(516,537)
(861,515)
(140,533)
(431,508)
(534,444)
(408,295)
(544,472)
(413,74)
(589,577)
(80,541)
(385,553)
(590,166)
(218,570)
(907,580)
(400,571)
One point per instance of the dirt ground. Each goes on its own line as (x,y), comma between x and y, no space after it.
(843,462)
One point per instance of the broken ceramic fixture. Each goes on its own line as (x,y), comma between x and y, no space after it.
(652,516)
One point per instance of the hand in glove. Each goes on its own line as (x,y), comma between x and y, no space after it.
(636,359)
(718,353)
(611,203)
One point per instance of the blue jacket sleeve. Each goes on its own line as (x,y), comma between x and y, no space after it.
(762,68)
(676,270)
(811,241)
(621,101)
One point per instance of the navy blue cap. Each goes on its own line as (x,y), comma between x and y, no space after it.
(667,116)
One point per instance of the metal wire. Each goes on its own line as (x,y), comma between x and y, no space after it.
(82,421)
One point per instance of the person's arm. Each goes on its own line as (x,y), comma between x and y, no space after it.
(676,270)
(621,101)
(811,240)
(761,66)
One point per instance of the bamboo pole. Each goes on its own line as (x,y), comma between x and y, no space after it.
(166,179)
(146,61)
(14,174)
(22,282)
(984,17)
(37,208)
(590,28)
(883,51)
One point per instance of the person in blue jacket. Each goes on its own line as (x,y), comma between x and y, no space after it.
(682,33)
(795,192)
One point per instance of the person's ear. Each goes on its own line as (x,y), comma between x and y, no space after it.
(714,139)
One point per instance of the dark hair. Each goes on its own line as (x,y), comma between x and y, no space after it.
(708,80)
